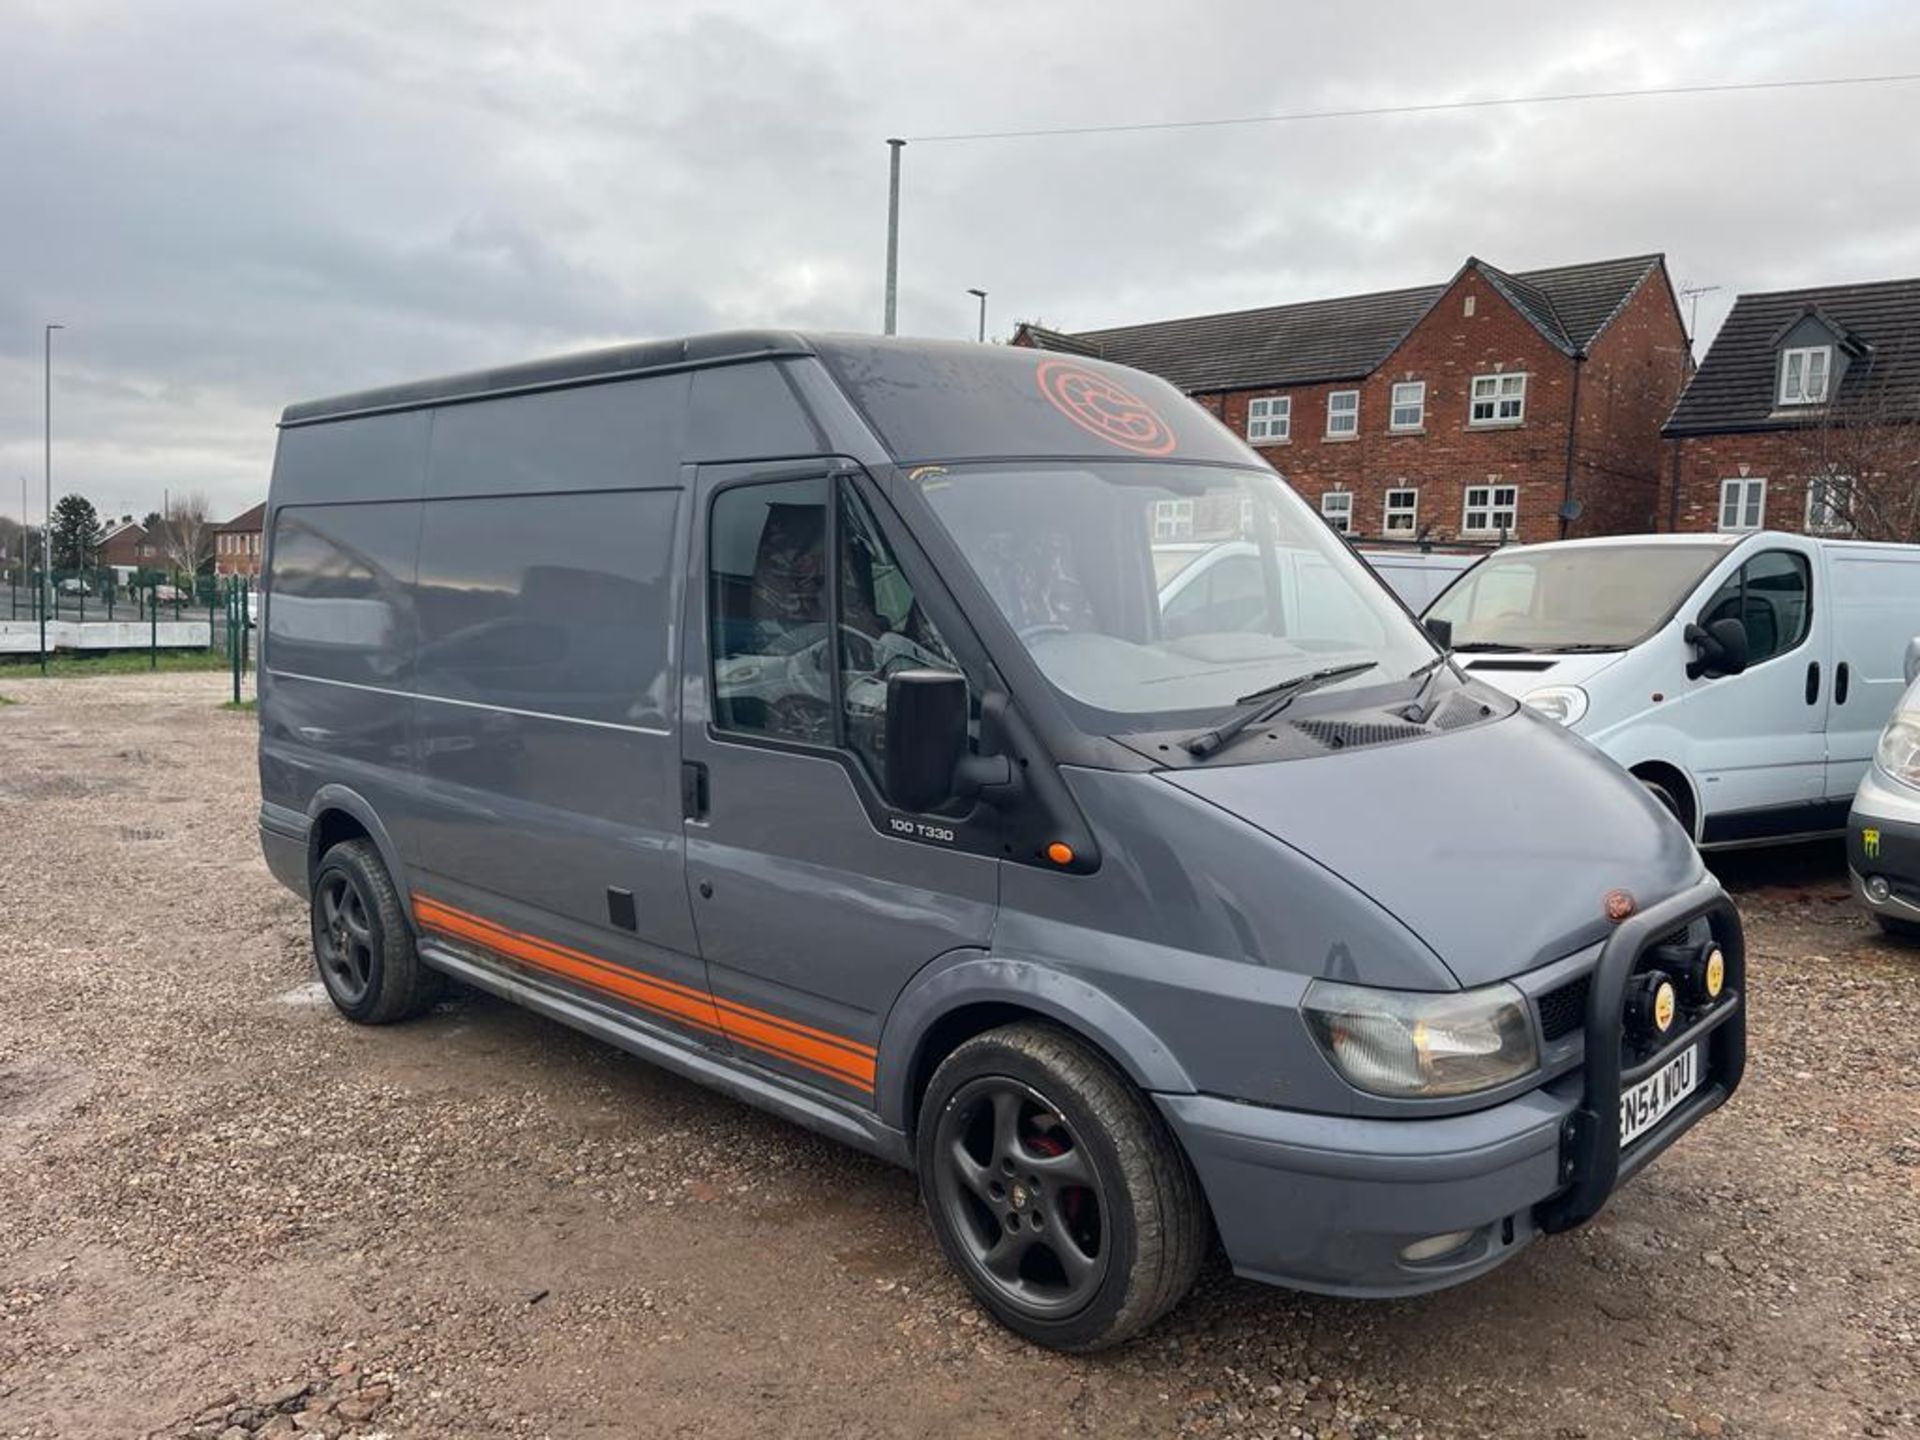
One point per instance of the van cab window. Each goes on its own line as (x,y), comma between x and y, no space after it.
(1769,596)
(882,630)
(771,623)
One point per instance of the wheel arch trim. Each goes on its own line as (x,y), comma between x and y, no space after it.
(351,802)
(968,978)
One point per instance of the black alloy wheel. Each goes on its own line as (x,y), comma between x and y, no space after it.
(343,939)
(1023,1197)
(1056,1189)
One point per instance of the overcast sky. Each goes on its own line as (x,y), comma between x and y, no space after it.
(234,204)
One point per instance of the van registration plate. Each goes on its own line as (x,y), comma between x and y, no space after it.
(1647,1103)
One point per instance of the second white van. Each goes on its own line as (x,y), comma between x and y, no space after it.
(1743,679)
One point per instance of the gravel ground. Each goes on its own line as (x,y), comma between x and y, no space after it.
(224,1211)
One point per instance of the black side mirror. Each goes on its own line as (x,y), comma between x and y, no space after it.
(1439,631)
(1722,646)
(926,736)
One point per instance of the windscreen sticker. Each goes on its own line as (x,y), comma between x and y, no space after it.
(1104,408)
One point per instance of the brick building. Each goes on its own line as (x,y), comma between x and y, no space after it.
(1803,417)
(126,546)
(237,544)
(1476,409)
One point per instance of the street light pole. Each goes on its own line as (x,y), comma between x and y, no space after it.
(46,537)
(894,147)
(982,296)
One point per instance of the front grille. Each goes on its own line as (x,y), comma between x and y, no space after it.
(1563,1009)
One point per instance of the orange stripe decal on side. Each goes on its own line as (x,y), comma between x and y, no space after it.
(820,1051)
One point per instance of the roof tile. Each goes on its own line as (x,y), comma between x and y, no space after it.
(1347,337)
(1734,387)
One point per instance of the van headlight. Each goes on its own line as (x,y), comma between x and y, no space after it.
(1405,1043)
(1898,753)
(1564,703)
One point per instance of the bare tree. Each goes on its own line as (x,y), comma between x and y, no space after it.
(1862,455)
(186,537)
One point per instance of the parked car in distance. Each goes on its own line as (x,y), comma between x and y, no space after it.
(168,594)
(1743,679)
(808,716)
(1883,828)
(1418,576)
(73,585)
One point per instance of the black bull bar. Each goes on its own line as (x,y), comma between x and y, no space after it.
(1590,1136)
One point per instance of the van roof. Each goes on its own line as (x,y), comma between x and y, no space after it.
(923,400)
(1711,537)
(612,362)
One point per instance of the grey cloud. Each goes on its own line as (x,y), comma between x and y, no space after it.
(237,205)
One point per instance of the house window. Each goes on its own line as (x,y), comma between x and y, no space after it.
(1336,506)
(1409,405)
(1830,505)
(1270,418)
(1743,503)
(1490,509)
(1343,413)
(1173,520)
(1498,400)
(1403,509)
(1803,374)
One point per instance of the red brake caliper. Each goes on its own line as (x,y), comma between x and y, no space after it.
(1043,1143)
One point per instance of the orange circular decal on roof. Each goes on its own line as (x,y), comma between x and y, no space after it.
(1105,408)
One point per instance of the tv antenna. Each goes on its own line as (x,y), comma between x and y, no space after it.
(1691,294)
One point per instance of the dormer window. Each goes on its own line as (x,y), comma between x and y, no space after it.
(1803,374)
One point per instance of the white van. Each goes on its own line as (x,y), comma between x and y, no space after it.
(1199,577)
(1743,679)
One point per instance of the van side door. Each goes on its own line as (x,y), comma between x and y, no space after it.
(1758,739)
(543,827)
(814,903)
(1876,611)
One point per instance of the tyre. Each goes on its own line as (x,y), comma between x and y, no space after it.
(1668,801)
(1896,929)
(1056,1189)
(362,941)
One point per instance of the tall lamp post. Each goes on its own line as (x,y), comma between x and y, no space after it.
(46,535)
(981,295)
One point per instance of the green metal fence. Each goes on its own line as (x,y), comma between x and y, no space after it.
(145,597)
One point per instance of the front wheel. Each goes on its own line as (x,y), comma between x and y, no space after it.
(1897,929)
(1056,1190)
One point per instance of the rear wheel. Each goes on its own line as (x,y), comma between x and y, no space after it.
(362,942)
(1056,1190)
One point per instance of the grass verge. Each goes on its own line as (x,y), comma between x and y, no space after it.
(244,706)
(114,662)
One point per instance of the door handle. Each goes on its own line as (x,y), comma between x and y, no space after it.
(1813,681)
(1840,679)
(693,790)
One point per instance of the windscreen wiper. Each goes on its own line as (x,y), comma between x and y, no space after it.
(1263,705)
(1414,710)
(1487,646)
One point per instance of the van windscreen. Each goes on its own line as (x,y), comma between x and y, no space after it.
(1574,597)
(1155,593)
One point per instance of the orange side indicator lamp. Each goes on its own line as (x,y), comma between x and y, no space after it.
(1060,853)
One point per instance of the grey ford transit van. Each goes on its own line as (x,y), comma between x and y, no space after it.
(802,714)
